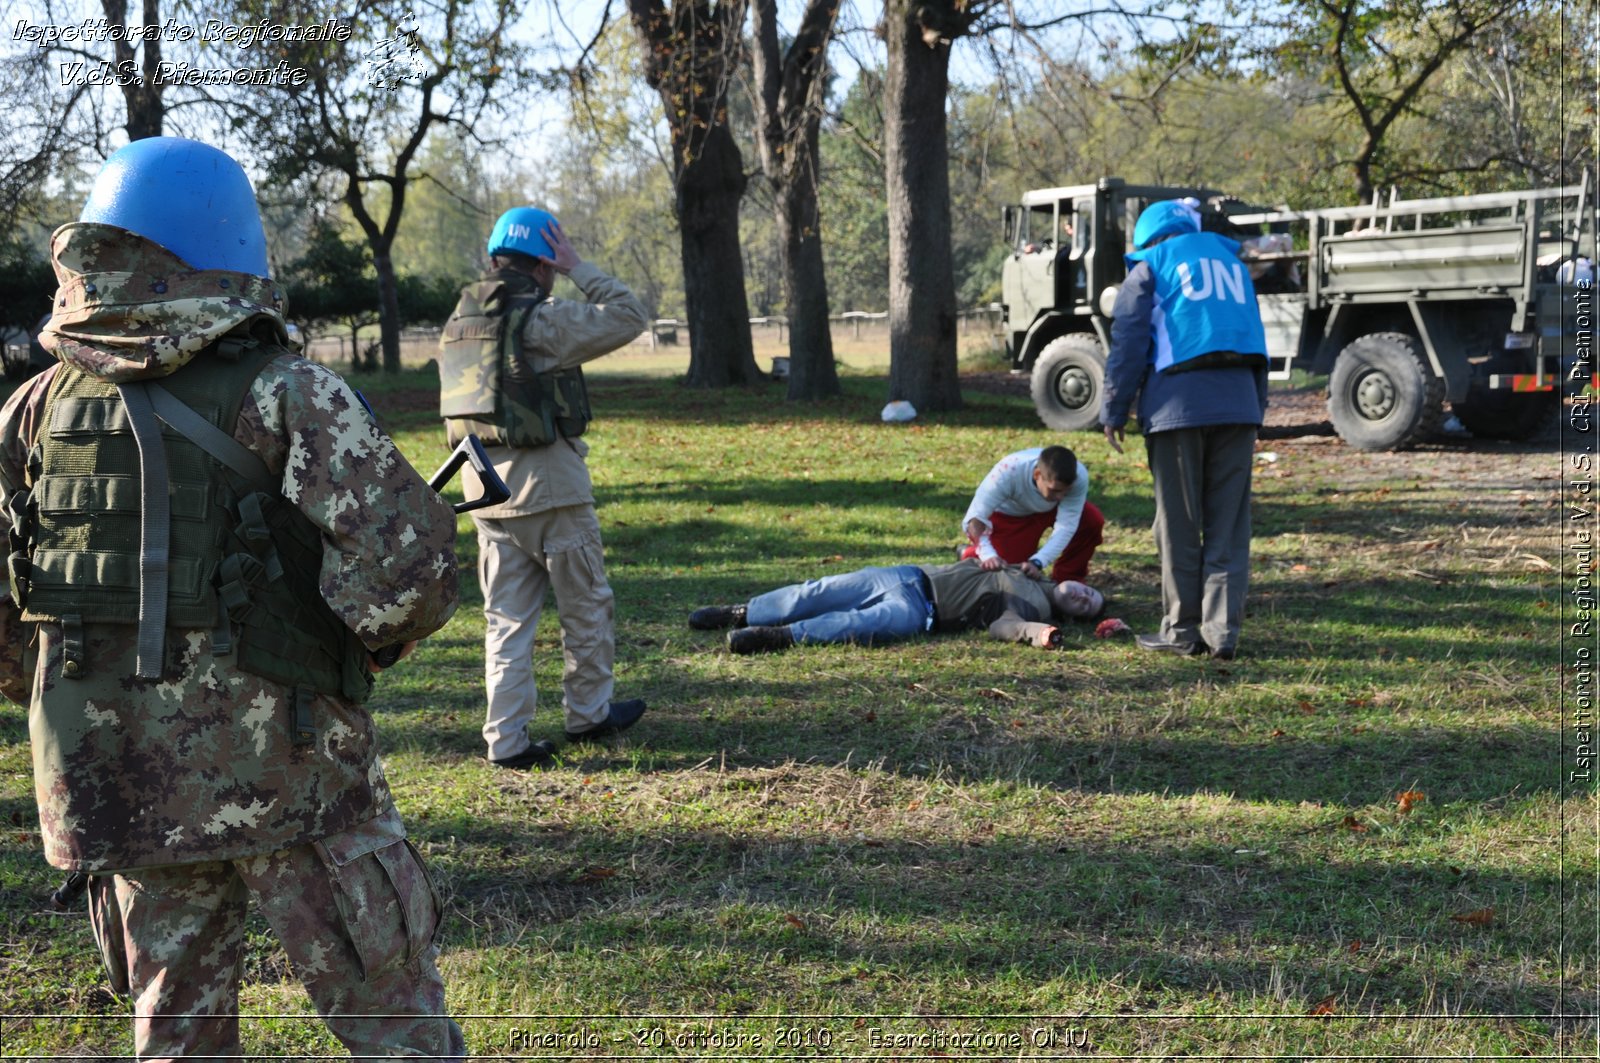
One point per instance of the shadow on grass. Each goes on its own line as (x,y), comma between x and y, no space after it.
(1167,914)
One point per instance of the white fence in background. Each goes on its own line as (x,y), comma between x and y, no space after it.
(419,344)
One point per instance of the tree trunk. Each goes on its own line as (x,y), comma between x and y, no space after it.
(789,99)
(141,95)
(388,308)
(922,287)
(812,373)
(709,188)
(690,52)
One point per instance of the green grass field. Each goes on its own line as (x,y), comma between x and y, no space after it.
(959,848)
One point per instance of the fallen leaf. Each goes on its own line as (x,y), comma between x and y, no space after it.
(595,874)
(1325,1006)
(1356,703)
(1352,823)
(1409,799)
(1276,733)
(1299,568)
(1354,946)
(913,806)
(1481,917)
(795,921)
(1307,707)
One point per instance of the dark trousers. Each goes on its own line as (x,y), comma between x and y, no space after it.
(1202,529)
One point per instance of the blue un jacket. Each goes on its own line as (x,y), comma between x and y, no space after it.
(1184,297)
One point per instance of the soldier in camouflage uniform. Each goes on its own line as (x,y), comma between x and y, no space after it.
(196,683)
(509,371)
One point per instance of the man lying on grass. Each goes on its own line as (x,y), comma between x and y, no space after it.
(873,605)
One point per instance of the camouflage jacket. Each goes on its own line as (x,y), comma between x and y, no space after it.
(562,334)
(199,765)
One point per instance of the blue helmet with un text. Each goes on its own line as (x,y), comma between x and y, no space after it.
(521,229)
(191,198)
(1169,217)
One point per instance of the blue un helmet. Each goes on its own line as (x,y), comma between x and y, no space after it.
(521,229)
(1169,217)
(189,197)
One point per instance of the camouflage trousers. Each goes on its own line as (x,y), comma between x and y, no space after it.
(356,913)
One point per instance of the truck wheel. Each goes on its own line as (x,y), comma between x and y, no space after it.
(1069,382)
(1502,413)
(1383,395)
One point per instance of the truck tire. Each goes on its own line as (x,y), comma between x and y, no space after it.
(1383,395)
(1505,414)
(1069,382)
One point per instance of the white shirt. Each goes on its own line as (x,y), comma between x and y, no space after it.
(1009,489)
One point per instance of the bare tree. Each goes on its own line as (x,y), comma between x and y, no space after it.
(55,119)
(366,107)
(691,52)
(790,89)
(1380,56)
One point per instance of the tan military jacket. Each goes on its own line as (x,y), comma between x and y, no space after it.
(201,764)
(561,334)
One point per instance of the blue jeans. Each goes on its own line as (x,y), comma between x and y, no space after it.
(866,606)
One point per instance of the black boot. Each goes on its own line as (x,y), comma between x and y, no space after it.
(760,639)
(715,617)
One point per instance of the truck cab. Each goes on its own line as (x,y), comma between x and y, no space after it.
(1059,283)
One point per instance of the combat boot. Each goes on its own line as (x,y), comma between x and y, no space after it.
(760,639)
(715,617)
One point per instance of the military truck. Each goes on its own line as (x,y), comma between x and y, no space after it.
(1471,300)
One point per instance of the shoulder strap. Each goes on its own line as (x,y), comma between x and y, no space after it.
(154,528)
(213,440)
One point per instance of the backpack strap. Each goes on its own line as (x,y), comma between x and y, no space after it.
(154,528)
(213,440)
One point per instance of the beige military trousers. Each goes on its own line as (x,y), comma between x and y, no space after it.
(519,560)
(355,912)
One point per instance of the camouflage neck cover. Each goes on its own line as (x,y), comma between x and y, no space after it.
(129,309)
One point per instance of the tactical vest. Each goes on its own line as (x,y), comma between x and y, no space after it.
(487,386)
(241,558)
(1205,314)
